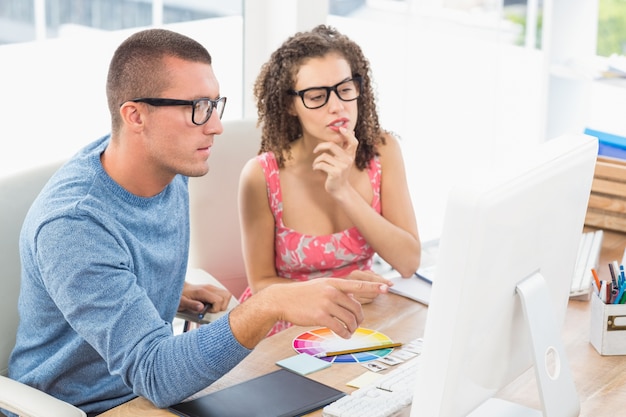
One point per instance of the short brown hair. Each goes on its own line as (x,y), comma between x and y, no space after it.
(137,67)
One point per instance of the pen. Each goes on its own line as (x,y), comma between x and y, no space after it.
(359,349)
(602,292)
(619,296)
(612,271)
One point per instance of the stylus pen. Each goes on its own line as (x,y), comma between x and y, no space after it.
(359,349)
(204,310)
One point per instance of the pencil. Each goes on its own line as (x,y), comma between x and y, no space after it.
(359,349)
(595,277)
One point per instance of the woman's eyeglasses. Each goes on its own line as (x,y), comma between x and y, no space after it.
(316,97)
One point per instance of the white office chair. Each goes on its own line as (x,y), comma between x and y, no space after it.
(17,192)
(215,244)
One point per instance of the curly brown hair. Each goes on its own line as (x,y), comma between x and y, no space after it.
(278,76)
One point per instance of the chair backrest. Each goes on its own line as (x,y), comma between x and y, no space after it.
(17,193)
(215,244)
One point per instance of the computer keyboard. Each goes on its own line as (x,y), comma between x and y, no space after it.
(386,397)
(588,259)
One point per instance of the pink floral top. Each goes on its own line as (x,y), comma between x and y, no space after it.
(303,257)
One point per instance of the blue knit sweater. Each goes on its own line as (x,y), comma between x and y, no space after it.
(102,276)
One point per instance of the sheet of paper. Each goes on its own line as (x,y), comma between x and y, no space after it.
(366,378)
(414,288)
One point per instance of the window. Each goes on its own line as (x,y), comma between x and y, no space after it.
(611,28)
(23,21)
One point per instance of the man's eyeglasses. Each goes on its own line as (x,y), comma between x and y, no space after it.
(316,97)
(201,108)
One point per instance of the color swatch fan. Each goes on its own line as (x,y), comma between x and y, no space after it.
(316,342)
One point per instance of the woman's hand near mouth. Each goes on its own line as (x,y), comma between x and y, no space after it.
(336,160)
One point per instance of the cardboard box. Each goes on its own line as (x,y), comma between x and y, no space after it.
(607,331)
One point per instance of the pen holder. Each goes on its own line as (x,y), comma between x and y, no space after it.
(607,331)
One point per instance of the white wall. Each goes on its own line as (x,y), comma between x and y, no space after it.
(457,96)
(458,99)
(53,91)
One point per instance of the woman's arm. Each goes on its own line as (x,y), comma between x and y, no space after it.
(393,235)
(257,228)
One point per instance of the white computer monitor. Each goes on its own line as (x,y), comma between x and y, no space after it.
(506,258)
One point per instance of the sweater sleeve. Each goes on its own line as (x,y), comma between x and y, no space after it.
(123,310)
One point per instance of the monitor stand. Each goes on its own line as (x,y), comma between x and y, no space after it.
(554,378)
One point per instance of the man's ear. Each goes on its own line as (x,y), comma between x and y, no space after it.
(132,115)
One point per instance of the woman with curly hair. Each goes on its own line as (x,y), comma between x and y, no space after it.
(328,189)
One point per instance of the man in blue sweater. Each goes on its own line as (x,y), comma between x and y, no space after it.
(104,249)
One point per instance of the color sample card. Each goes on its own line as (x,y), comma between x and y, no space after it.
(303,364)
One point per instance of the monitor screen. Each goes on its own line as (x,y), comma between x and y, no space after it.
(506,258)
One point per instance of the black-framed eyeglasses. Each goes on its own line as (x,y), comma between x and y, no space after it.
(316,97)
(201,108)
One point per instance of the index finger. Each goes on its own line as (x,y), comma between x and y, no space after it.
(351,141)
(360,288)
(369,276)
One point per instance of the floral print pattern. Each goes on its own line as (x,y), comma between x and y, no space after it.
(302,257)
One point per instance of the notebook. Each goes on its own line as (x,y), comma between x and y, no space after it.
(415,288)
(418,286)
(281,393)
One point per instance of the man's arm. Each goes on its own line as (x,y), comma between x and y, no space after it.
(327,302)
